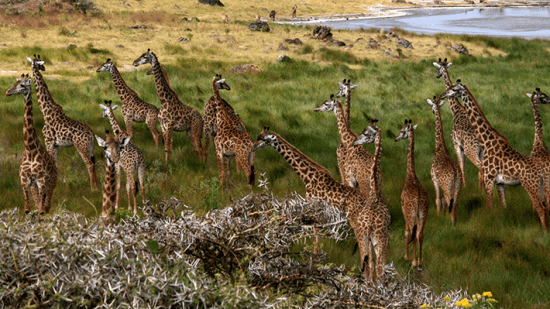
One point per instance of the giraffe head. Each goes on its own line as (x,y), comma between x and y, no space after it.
(264,139)
(107,66)
(328,105)
(112,146)
(441,67)
(344,88)
(144,59)
(21,86)
(406,131)
(37,63)
(454,91)
(220,82)
(436,103)
(369,134)
(540,97)
(107,108)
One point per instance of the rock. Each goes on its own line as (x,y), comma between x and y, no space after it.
(459,48)
(337,43)
(259,26)
(282,58)
(392,34)
(182,39)
(211,2)
(282,47)
(293,41)
(138,27)
(245,68)
(404,43)
(322,33)
(272,15)
(119,46)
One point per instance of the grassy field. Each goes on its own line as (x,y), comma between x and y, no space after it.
(499,250)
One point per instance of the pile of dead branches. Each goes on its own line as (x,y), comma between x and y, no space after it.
(244,255)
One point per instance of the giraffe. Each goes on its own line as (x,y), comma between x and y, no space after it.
(503,165)
(345,91)
(370,219)
(357,162)
(131,160)
(230,141)
(414,200)
(174,115)
(294,8)
(112,147)
(60,130)
(37,170)
(133,107)
(210,112)
(446,174)
(540,151)
(463,136)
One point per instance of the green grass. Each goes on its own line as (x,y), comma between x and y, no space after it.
(499,250)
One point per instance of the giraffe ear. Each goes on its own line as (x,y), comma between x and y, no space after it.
(100,142)
(441,103)
(353,87)
(430,101)
(450,64)
(114,107)
(30,60)
(124,141)
(529,94)
(414,128)
(436,64)
(341,85)
(103,107)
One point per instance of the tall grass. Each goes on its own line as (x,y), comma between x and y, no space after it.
(498,250)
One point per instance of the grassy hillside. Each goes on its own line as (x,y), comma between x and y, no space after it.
(498,250)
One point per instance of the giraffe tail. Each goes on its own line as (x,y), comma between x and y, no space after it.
(451,205)
(355,248)
(413,234)
(136,191)
(92,157)
(365,261)
(252,177)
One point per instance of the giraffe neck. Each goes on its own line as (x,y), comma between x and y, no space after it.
(122,89)
(115,125)
(539,144)
(375,185)
(346,134)
(165,93)
(31,138)
(109,192)
(216,91)
(348,104)
(456,107)
(411,172)
(485,133)
(439,137)
(45,100)
(222,115)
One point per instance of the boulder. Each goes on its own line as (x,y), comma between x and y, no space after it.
(322,32)
(259,26)
(295,41)
(459,48)
(211,2)
(404,43)
(245,68)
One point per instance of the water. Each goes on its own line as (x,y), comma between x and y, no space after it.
(533,22)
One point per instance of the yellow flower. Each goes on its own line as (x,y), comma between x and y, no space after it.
(492,300)
(425,306)
(447,298)
(476,297)
(487,294)
(463,303)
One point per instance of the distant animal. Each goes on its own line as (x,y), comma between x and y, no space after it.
(258,18)
(225,18)
(294,8)
(272,15)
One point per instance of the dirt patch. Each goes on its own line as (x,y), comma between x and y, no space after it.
(34,7)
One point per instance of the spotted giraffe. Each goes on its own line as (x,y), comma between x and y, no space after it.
(174,115)
(230,141)
(133,107)
(345,91)
(60,130)
(370,219)
(210,112)
(131,160)
(463,136)
(37,170)
(540,151)
(414,200)
(357,161)
(445,172)
(112,147)
(502,165)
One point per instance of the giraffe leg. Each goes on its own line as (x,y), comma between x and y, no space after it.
(381,254)
(489,182)
(242,159)
(207,136)
(221,162)
(151,121)
(128,124)
(534,193)
(167,134)
(408,235)
(131,188)
(414,243)
(227,160)
(420,237)
(501,194)
(460,157)
(437,193)
(26,186)
(456,191)
(35,196)
(49,193)
(118,181)
(141,177)
(196,139)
